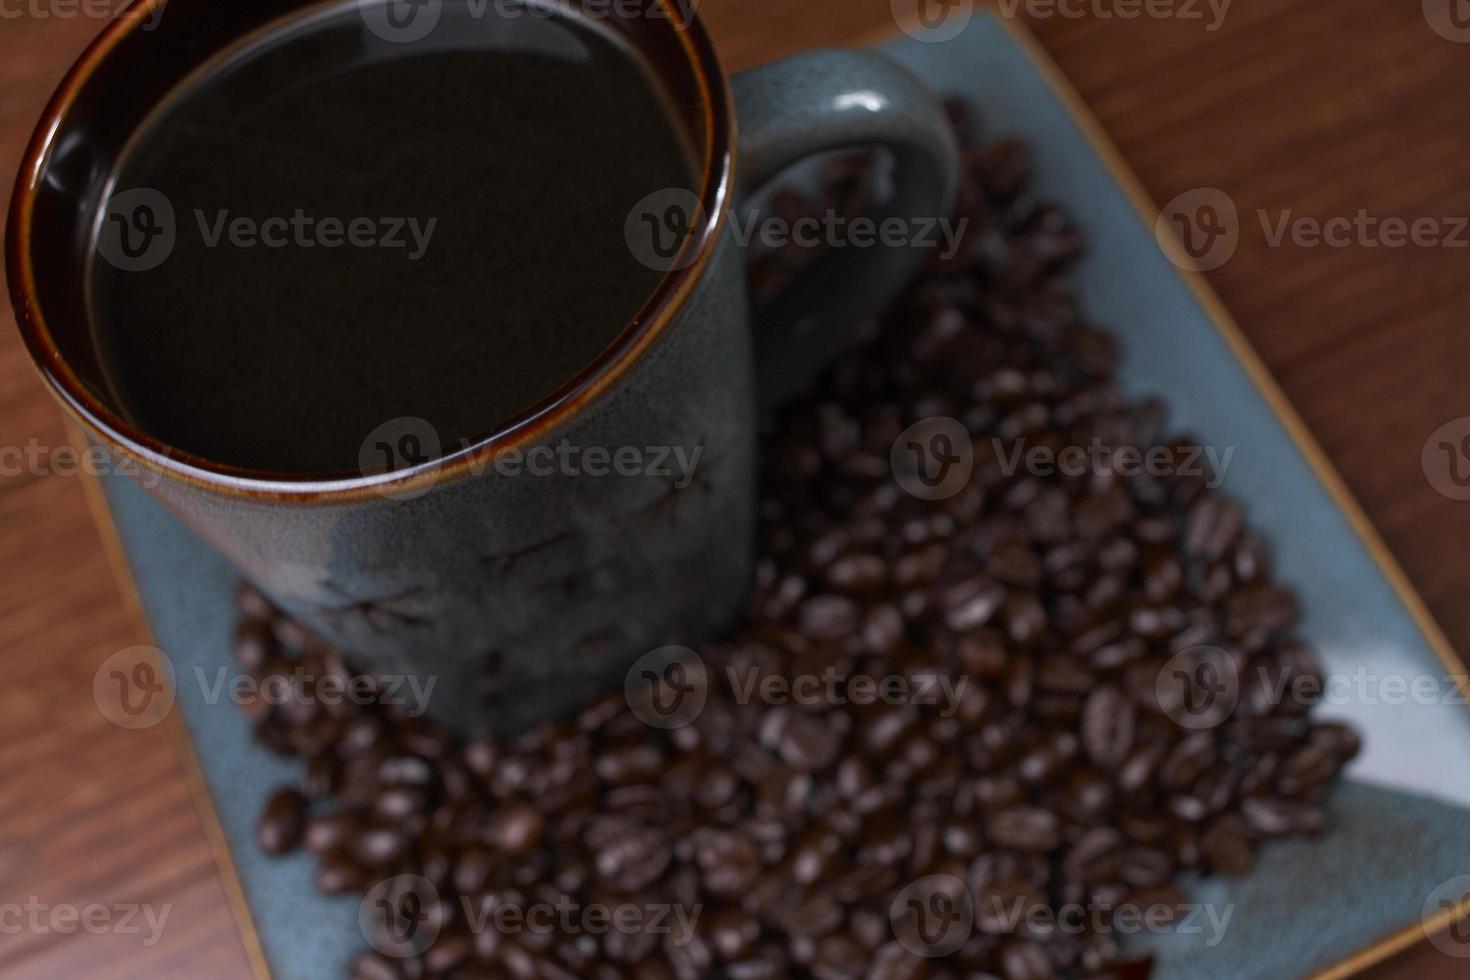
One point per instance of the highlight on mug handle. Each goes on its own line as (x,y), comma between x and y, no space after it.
(821,101)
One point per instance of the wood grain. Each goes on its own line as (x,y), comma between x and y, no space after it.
(1323,108)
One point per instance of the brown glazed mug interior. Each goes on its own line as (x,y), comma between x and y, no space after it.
(134,65)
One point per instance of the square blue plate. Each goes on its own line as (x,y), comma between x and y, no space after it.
(1370,885)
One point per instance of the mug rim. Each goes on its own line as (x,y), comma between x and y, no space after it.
(716,182)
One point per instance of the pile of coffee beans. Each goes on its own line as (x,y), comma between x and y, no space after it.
(973,697)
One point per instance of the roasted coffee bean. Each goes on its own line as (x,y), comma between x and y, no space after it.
(893,961)
(336,877)
(282,823)
(405,770)
(516,828)
(628,855)
(1278,817)
(322,777)
(1226,845)
(1342,742)
(251,603)
(375,966)
(828,617)
(471,869)
(1214,524)
(857,574)
(1107,726)
(380,847)
(1309,766)
(1023,960)
(808,743)
(1145,866)
(990,706)
(254,645)
(624,765)
(1024,829)
(398,803)
(447,954)
(970,604)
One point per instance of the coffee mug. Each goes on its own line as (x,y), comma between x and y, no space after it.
(521,586)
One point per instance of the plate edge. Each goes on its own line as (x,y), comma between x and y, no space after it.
(184,752)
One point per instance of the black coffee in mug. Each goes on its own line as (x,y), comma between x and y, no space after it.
(330,227)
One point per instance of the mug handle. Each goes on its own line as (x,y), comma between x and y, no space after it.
(836,99)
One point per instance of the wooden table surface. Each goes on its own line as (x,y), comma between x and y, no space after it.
(1323,107)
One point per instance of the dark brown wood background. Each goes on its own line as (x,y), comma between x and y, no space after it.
(1324,107)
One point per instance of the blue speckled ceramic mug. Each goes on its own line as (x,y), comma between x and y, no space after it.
(522,591)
